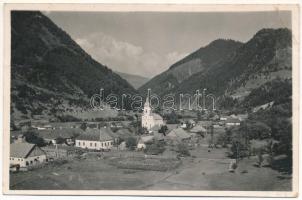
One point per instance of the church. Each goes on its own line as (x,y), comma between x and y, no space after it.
(151,121)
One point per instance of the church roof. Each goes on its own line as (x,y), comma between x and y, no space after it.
(156,116)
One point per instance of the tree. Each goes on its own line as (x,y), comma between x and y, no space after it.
(157,147)
(131,143)
(83,126)
(172,118)
(32,137)
(182,150)
(163,129)
(199,115)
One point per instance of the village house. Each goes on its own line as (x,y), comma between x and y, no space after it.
(223,118)
(205,124)
(98,139)
(151,121)
(199,130)
(59,136)
(116,125)
(65,125)
(232,122)
(23,154)
(59,151)
(178,135)
(182,124)
(241,117)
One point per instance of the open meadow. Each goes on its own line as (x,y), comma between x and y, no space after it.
(203,170)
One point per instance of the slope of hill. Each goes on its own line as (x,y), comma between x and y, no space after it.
(50,73)
(135,80)
(262,59)
(199,61)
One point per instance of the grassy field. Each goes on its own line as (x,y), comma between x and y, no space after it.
(202,171)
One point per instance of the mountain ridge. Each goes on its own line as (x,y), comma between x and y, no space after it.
(135,80)
(51,74)
(266,56)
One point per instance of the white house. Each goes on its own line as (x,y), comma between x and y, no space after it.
(151,121)
(232,122)
(98,139)
(23,154)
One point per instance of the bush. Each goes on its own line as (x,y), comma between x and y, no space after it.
(131,143)
(32,137)
(155,148)
(182,150)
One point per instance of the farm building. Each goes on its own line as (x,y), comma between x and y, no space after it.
(23,154)
(232,122)
(57,136)
(59,151)
(198,129)
(98,139)
(179,135)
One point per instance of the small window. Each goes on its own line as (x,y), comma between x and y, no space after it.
(90,144)
(95,144)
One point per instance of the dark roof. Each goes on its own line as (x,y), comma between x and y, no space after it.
(102,134)
(232,120)
(56,133)
(179,133)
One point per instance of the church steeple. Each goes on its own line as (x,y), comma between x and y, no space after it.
(147,108)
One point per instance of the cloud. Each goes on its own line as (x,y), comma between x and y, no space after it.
(125,57)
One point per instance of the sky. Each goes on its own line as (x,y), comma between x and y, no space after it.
(148,43)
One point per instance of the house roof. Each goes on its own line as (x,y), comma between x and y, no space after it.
(198,128)
(146,138)
(179,133)
(21,150)
(102,134)
(123,133)
(191,121)
(232,120)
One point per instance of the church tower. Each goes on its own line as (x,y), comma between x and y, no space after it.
(147,108)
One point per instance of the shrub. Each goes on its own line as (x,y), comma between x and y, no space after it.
(182,150)
(131,143)
(157,147)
